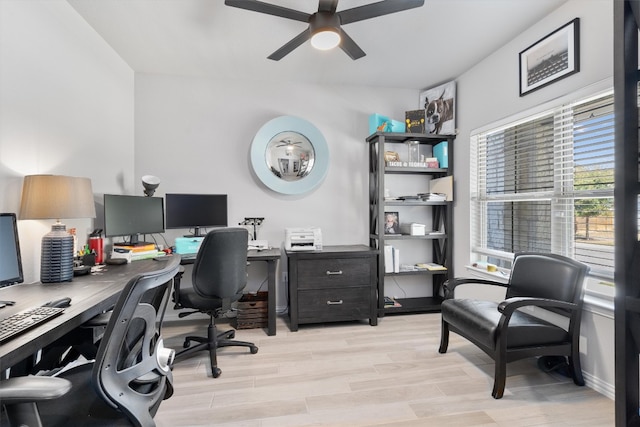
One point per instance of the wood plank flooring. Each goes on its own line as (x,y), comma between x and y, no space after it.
(352,374)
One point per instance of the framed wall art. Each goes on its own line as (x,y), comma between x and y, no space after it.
(439,105)
(552,58)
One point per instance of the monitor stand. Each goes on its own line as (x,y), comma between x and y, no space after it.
(196,233)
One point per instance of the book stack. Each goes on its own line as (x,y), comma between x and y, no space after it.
(430,266)
(391,259)
(136,253)
(390,302)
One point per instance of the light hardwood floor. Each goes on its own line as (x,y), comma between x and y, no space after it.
(353,374)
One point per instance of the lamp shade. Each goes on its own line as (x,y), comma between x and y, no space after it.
(56,197)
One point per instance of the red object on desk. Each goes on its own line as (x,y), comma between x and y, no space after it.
(96,244)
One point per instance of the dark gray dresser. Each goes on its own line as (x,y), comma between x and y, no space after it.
(335,284)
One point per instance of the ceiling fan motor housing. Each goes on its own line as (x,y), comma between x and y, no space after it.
(324,21)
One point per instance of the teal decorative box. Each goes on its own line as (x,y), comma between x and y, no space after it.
(441,152)
(188,245)
(380,123)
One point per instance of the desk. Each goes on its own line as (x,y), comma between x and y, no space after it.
(271,257)
(90,295)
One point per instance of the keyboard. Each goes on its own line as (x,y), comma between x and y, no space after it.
(188,257)
(22,321)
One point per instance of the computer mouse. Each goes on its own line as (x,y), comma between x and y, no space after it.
(58,303)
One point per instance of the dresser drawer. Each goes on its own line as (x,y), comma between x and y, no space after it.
(332,305)
(334,272)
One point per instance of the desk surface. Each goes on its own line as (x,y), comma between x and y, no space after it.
(271,257)
(90,295)
(252,255)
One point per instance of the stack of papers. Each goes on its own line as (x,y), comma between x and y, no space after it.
(430,266)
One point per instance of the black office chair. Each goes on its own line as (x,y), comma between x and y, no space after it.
(218,279)
(125,384)
(548,281)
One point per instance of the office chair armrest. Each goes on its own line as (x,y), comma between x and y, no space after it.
(32,389)
(101,319)
(175,295)
(508,306)
(450,285)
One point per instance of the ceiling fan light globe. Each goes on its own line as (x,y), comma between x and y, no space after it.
(326,39)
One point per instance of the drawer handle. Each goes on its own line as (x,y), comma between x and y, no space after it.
(334,302)
(334,273)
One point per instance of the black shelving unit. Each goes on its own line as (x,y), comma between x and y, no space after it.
(441,219)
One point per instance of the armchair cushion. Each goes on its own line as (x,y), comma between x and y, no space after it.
(483,318)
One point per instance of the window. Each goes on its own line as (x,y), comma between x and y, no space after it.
(545,183)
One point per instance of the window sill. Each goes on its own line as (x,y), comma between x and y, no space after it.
(501,275)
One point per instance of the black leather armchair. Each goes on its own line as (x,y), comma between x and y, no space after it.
(218,279)
(506,333)
(125,384)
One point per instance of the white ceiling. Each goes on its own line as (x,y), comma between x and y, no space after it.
(413,49)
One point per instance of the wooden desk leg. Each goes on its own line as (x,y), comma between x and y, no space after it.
(271,296)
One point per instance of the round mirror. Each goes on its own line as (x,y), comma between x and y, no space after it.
(289,155)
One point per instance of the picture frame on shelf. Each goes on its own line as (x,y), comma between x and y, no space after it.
(391,223)
(554,57)
(439,105)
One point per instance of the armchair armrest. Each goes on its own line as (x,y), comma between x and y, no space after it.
(450,285)
(508,306)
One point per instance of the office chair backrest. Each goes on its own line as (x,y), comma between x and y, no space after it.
(132,369)
(220,269)
(547,276)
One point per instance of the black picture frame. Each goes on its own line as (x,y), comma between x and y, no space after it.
(551,58)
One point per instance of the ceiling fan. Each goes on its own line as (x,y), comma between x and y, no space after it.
(288,143)
(324,28)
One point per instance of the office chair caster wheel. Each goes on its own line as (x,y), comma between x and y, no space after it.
(186,344)
(232,335)
(216,372)
(253,349)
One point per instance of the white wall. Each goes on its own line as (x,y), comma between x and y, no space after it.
(66,108)
(489,92)
(196,134)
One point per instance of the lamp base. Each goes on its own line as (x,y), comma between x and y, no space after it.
(56,264)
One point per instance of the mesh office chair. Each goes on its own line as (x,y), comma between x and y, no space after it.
(125,384)
(218,279)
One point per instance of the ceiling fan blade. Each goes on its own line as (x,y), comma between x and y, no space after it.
(349,46)
(292,44)
(269,9)
(327,6)
(380,8)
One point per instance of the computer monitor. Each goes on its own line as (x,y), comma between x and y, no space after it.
(195,211)
(10,259)
(131,216)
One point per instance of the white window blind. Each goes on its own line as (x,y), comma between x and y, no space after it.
(545,184)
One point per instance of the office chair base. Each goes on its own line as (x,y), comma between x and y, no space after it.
(211,343)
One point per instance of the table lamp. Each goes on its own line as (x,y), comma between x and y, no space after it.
(56,197)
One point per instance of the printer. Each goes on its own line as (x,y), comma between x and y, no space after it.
(303,239)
